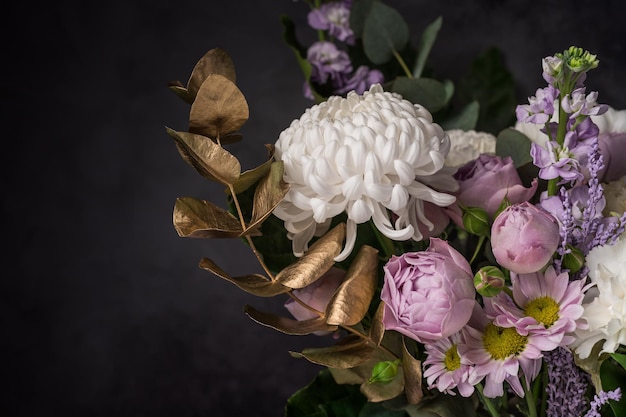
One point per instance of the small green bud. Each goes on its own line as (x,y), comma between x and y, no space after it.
(578,60)
(384,372)
(574,259)
(489,281)
(476,221)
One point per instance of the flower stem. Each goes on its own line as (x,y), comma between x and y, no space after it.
(479,246)
(530,400)
(405,68)
(493,411)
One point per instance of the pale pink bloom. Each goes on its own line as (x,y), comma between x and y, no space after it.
(545,304)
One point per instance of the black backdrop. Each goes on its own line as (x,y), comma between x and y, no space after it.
(104,310)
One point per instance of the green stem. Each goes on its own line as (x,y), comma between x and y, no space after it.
(405,68)
(530,400)
(493,411)
(479,246)
(385,243)
(552,186)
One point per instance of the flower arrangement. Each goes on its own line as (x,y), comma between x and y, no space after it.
(462,256)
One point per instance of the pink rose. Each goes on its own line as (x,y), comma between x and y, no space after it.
(428,295)
(316,295)
(524,238)
(487,180)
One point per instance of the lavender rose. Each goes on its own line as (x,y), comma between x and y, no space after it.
(487,180)
(524,238)
(316,295)
(428,295)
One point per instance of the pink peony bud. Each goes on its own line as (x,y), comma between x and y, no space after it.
(316,295)
(487,180)
(428,295)
(524,238)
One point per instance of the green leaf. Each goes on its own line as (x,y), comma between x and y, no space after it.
(491,84)
(323,397)
(426,44)
(358,14)
(613,375)
(443,406)
(620,358)
(378,410)
(385,32)
(513,143)
(465,120)
(427,92)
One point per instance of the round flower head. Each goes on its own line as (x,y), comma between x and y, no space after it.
(364,155)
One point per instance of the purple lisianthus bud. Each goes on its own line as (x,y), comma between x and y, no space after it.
(524,238)
(327,61)
(487,180)
(362,79)
(316,295)
(335,18)
(428,295)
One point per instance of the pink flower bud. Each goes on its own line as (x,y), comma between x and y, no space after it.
(428,295)
(524,238)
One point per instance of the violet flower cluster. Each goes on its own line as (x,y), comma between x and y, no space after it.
(330,62)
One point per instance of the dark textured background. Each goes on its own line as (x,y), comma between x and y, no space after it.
(104,310)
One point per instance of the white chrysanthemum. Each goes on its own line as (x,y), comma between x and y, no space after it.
(363,154)
(615,196)
(467,145)
(605,310)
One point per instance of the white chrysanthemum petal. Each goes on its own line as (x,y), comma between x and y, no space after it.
(350,240)
(362,154)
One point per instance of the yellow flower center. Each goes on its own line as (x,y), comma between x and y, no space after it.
(502,342)
(543,309)
(452,359)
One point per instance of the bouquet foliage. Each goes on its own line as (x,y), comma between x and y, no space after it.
(461,254)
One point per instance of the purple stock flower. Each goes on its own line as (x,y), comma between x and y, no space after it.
(328,62)
(539,108)
(580,104)
(567,384)
(335,18)
(361,80)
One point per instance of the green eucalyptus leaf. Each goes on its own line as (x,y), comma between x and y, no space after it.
(323,397)
(620,358)
(379,410)
(358,14)
(427,92)
(426,44)
(444,406)
(385,32)
(613,375)
(513,143)
(465,120)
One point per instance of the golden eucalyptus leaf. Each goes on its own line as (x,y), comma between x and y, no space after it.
(348,353)
(208,158)
(219,109)
(215,61)
(287,325)
(377,329)
(352,299)
(177,88)
(412,376)
(254,284)
(248,178)
(316,261)
(202,219)
(270,191)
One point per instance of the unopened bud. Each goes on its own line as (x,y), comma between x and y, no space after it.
(476,221)
(384,372)
(489,281)
(573,259)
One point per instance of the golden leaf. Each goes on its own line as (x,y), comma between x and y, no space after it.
(287,325)
(208,158)
(352,299)
(316,261)
(412,376)
(203,219)
(377,329)
(270,191)
(254,284)
(215,61)
(219,109)
(348,353)
(252,176)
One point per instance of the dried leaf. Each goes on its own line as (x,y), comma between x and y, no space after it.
(412,376)
(352,299)
(287,325)
(252,176)
(215,61)
(316,261)
(254,284)
(270,191)
(377,330)
(208,158)
(177,88)
(348,353)
(219,109)
(203,219)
